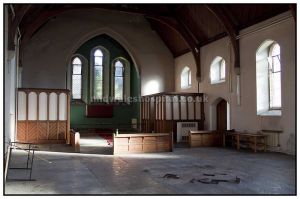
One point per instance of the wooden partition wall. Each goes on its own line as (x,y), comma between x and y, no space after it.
(161,112)
(43,115)
(142,143)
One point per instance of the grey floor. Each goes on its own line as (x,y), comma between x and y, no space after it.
(82,173)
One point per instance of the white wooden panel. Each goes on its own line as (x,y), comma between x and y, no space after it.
(168,108)
(43,106)
(198,108)
(191,107)
(159,107)
(32,106)
(63,105)
(53,106)
(21,105)
(152,109)
(183,108)
(175,108)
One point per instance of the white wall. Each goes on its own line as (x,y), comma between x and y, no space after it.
(10,86)
(244,117)
(49,51)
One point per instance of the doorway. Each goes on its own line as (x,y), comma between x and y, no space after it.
(222,115)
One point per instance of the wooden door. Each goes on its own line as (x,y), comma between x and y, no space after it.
(222,115)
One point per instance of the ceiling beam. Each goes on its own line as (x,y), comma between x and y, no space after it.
(192,44)
(230,30)
(190,38)
(19,14)
(293,10)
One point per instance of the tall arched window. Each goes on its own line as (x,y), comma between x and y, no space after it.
(275,77)
(186,77)
(76,78)
(98,75)
(118,80)
(268,79)
(217,70)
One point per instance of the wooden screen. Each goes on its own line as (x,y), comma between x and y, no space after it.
(43,115)
(161,112)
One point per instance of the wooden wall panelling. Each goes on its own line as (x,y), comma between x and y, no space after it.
(57,119)
(179,106)
(48,104)
(194,98)
(26,131)
(37,114)
(68,119)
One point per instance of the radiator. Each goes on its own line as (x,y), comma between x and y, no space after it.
(183,129)
(273,141)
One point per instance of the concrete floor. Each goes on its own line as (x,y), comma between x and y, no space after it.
(81,173)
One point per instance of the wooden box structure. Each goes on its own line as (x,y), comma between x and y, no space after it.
(161,112)
(43,115)
(205,138)
(142,143)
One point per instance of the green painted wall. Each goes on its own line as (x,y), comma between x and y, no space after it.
(123,113)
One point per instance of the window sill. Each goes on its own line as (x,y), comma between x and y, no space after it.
(186,87)
(77,102)
(270,113)
(218,82)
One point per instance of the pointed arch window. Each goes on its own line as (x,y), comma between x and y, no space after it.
(186,77)
(274,77)
(98,75)
(268,79)
(76,78)
(218,70)
(118,80)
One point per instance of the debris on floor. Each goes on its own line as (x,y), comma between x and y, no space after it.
(174,176)
(207,174)
(215,181)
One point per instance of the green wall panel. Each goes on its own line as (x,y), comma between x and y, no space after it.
(122,113)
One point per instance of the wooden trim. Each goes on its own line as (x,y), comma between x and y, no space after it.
(37,113)
(179,105)
(67,136)
(46,90)
(27,112)
(48,104)
(187,108)
(57,119)
(194,98)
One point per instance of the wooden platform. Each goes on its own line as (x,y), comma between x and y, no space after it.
(142,143)
(204,138)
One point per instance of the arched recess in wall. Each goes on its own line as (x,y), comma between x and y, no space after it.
(113,34)
(213,114)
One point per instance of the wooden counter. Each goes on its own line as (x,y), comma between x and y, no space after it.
(205,138)
(142,143)
(254,141)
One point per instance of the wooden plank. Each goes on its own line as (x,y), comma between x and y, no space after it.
(57,113)
(27,103)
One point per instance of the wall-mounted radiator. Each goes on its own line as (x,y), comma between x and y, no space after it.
(183,129)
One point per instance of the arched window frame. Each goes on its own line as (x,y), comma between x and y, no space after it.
(80,74)
(271,61)
(126,79)
(105,75)
(218,69)
(185,78)
(265,78)
(114,79)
